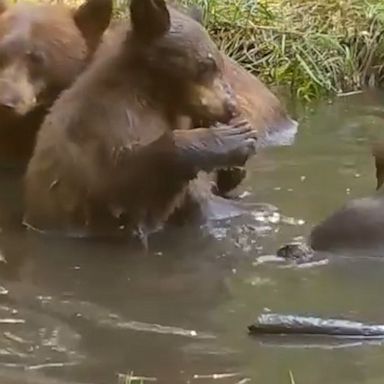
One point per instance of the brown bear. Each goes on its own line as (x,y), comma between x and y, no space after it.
(359,224)
(110,157)
(258,105)
(43,48)
(263,110)
(255,102)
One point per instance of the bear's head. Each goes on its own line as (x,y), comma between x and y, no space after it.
(43,47)
(183,63)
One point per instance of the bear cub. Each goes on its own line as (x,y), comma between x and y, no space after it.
(43,48)
(110,158)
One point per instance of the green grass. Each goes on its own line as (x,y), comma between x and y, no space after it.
(291,378)
(314,48)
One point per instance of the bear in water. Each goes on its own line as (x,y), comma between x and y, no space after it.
(359,224)
(255,102)
(43,48)
(263,110)
(111,158)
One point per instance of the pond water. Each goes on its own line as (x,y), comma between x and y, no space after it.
(85,311)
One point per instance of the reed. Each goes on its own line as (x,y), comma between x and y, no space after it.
(313,48)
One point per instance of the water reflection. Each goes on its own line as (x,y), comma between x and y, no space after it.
(82,312)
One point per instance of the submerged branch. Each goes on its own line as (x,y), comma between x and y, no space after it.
(277,324)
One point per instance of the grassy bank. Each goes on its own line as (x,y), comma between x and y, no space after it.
(312,47)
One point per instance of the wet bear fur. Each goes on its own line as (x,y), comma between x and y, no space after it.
(113,156)
(255,103)
(43,48)
(359,223)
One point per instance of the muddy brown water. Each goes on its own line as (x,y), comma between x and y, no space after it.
(85,311)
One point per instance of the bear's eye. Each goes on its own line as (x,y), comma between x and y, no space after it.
(206,69)
(35,58)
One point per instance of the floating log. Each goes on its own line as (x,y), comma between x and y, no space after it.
(278,324)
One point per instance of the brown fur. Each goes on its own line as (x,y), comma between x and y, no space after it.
(261,108)
(254,102)
(119,163)
(43,48)
(359,224)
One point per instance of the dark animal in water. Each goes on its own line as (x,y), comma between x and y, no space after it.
(359,224)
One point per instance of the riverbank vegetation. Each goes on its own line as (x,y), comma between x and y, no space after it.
(310,48)
(313,48)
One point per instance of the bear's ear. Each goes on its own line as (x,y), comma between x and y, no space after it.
(150,18)
(93,18)
(3,6)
